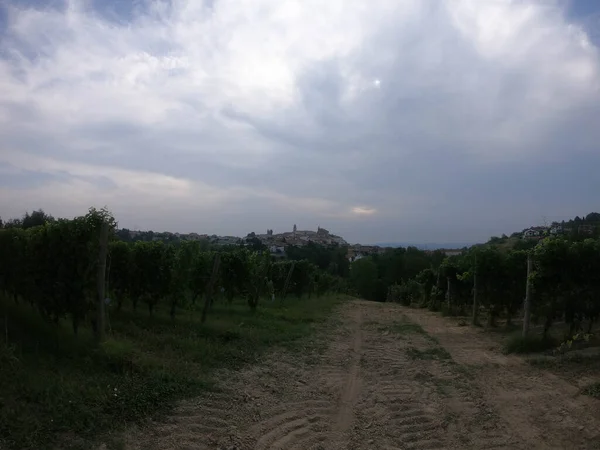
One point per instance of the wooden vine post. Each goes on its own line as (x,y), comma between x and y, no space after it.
(527,305)
(287,280)
(475,320)
(209,289)
(448,292)
(101,282)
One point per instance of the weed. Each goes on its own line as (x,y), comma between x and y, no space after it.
(593,390)
(424,376)
(439,353)
(466,371)
(565,360)
(404,327)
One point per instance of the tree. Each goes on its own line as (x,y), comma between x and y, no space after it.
(593,217)
(35,219)
(256,244)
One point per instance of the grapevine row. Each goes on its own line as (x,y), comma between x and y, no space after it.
(54,268)
(565,283)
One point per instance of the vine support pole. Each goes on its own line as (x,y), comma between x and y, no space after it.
(209,289)
(448,292)
(287,281)
(527,305)
(101,282)
(475,320)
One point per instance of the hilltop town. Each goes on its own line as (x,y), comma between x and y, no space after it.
(587,226)
(299,238)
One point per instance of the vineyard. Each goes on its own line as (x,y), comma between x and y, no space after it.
(54,268)
(99,332)
(556,281)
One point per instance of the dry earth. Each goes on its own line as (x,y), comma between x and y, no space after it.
(385,377)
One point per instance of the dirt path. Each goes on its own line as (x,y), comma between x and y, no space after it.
(540,409)
(386,378)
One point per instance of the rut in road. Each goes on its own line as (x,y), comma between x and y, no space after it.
(370,378)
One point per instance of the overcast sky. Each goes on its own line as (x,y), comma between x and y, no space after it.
(380,120)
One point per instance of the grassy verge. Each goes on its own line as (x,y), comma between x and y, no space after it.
(55,387)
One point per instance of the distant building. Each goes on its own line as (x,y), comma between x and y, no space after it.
(277,249)
(531,233)
(555,230)
(535,232)
(322,232)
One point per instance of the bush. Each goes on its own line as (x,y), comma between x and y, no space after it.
(529,344)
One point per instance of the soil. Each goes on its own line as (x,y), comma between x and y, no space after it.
(377,381)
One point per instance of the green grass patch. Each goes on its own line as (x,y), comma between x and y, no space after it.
(593,390)
(56,386)
(404,327)
(438,353)
(567,360)
(529,344)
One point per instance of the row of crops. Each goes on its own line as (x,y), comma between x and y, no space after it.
(54,267)
(563,278)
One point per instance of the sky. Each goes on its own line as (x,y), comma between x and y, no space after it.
(380,120)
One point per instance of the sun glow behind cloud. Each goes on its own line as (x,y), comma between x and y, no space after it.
(362,211)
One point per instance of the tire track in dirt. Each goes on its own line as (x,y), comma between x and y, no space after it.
(324,425)
(345,412)
(397,411)
(283,403)
(377,384)
(536,409)
(418,397)
(204,423)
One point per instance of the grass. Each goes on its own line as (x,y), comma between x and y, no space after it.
(529,344)
(404,327)
(593,390)
(565,360)
(439,353)
(55,387)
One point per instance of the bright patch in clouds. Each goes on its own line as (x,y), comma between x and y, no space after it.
(363,211)
(233,116)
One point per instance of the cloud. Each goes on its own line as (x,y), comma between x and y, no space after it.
(241,115)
